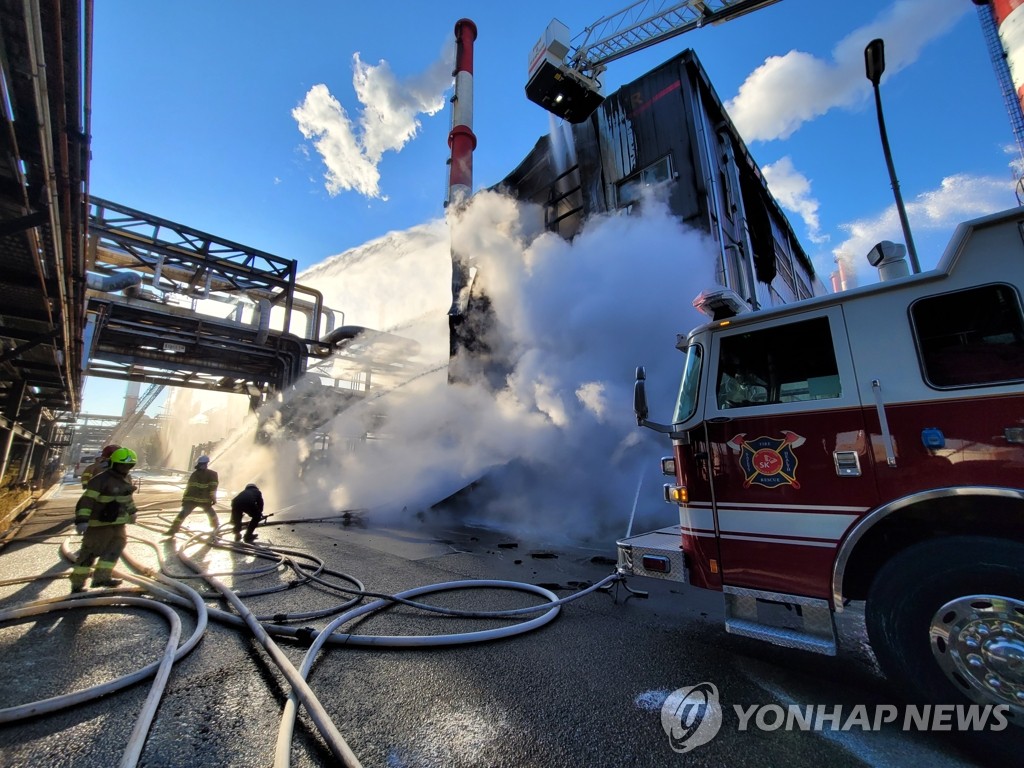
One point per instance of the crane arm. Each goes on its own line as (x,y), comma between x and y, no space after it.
(646,23)
(564,80)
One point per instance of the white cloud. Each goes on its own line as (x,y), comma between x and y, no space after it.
(1016,158)
(388,121)
(322,119)
(793,191)
(787,91)
(390,108)
(958,198)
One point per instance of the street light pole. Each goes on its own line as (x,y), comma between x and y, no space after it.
(874,65)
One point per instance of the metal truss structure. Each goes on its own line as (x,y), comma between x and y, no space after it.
(649,22)
(170,305)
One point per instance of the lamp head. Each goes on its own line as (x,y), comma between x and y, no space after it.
(874,60)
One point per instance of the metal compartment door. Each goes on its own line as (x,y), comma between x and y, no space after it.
(790,463)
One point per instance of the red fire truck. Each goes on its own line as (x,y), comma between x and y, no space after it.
(862,446)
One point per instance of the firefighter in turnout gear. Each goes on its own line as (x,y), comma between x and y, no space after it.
(201,491)
(101,515)
(100,465)
(248,502)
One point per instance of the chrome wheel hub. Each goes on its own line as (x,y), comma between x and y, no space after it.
(978,641)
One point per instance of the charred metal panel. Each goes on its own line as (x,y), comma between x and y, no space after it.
(670,125)
(552,184)
(644,122)
(593,189)
(532,178)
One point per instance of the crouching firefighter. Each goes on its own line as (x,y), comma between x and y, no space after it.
(249,502)
(101,515)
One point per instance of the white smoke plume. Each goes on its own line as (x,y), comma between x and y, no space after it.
(388,121)
(556,451)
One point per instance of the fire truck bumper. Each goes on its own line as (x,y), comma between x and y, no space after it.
(656,554)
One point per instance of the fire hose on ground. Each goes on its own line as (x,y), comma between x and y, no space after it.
(309,569)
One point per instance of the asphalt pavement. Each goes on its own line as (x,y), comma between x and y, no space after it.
(586,688)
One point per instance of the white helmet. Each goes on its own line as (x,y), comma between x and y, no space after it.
(203,460)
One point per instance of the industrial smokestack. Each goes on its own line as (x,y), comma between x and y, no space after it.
(131,399)
(1001,24)
(462,334)
(461,139)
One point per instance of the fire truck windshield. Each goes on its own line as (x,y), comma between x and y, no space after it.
(686,402)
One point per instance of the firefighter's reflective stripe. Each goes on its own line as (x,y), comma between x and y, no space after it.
(102,543)
(201,488)
(94,501)
(200,493)
(92,470)
(81,571)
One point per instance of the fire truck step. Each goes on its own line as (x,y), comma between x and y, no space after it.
(790,638)
(791,621)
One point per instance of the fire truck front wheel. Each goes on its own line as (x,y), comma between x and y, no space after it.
(946,621)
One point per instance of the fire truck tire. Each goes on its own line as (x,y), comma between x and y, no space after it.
(946,622)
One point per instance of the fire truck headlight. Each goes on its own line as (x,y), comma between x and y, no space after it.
(676,494)
(668,466)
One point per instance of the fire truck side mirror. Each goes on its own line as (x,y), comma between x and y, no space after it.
(640,396)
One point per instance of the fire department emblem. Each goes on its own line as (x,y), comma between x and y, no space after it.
(768,461)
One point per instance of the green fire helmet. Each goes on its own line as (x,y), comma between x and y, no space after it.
(123,456)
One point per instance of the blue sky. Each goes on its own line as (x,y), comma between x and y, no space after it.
(213,114)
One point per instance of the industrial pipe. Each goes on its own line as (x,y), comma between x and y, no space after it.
(341,334)
(36,48)
(264,322)
(64,186)
(110,283)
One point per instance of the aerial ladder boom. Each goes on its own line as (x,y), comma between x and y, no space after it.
(564,80)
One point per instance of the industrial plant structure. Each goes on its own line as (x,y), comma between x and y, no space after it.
(670,128)
(667,129)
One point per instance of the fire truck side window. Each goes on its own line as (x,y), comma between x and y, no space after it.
(970,338)
(782,364)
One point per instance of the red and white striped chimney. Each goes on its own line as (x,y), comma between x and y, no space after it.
(461,139)
(1002,23)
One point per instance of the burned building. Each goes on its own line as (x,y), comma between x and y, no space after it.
(670,127)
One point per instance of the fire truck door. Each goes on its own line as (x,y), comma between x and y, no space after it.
(789,458)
